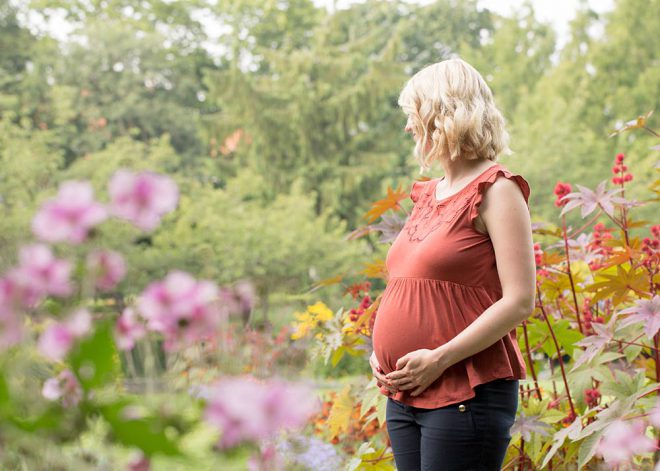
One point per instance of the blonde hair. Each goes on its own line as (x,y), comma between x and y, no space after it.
(451,102)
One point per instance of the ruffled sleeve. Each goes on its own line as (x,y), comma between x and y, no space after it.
(484,184)
(417,188)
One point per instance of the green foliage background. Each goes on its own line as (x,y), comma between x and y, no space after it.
(314,95)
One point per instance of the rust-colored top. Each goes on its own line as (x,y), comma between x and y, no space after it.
(442,276)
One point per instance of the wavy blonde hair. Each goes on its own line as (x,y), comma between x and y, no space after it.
(451,104)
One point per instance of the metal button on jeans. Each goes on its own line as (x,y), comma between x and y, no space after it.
(461,407)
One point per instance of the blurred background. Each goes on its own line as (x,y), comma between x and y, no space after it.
(279,124)
(278,119)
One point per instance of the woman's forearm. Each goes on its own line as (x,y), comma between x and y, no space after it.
(494,323)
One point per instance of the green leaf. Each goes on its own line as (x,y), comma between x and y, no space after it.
(148,433)
(382,409)
(624,386)
(566,336)
(50,419)
(4,395)
(369,397)
(94,360)
(337,355)
(559,437)
(588,448)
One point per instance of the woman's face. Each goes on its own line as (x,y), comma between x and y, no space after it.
(409,129)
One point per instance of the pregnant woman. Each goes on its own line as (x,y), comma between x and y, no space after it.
(461,278)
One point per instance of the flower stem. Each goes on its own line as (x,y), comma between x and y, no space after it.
(561,361)
(531,362)
(570,275)
(584,226)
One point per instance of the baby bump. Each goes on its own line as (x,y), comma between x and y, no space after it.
(417,313)
(405,323)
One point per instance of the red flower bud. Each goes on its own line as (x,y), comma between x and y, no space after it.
(561,189)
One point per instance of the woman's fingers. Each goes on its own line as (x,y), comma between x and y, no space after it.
(380,378)
(379,374)
(407,385)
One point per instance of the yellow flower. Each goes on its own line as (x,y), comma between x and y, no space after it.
(323,313)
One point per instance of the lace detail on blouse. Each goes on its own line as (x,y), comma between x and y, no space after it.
(428,213)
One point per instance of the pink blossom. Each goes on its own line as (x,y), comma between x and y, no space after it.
(139,462)
(108,268)
(65,387)
(58,338)
(39,273)
(128,329)
(181,308)
(266,458)
(142,198)
(11,319)
(246,409)
(70,215)
(654,415)
(624,439)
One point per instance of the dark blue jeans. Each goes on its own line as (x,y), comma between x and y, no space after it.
(471,435)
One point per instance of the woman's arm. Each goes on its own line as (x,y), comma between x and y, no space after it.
(505,214)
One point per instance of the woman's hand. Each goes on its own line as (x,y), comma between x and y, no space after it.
(379,374)
(417,370)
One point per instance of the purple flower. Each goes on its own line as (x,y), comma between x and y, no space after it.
(311,452)
(128,329)
(64,387)
(70,215)
(142,198)
(39,274)
(108,268)
(58,338)
(183,309)
(246,409)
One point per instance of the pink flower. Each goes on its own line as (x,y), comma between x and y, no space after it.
(142,198)
(70,215)
(181,308)
(108,268)
(538,254)
(128,329)
(39,273)
(246,409)
(11,321)
(266,458)
(139,462)
(58,338)
(624,439)
(65,387)
(654,415)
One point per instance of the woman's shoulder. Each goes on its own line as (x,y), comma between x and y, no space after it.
(418,188)
(493,176)
(500,173)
